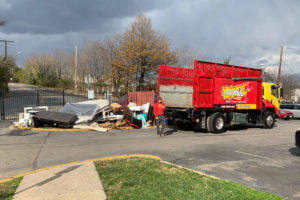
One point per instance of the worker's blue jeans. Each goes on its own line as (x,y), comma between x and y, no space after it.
(161,121)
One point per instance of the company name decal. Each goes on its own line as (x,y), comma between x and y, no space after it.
(235,92)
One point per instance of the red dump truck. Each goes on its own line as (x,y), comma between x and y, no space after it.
(214,95)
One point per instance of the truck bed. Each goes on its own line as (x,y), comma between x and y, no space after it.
(176,86)
(220,86)
(211,86)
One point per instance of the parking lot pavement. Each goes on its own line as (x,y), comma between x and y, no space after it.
(264,159)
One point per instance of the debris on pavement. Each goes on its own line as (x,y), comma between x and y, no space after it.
(134,122)
(96,115)
(94,126)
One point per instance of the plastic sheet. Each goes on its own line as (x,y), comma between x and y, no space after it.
(84,112)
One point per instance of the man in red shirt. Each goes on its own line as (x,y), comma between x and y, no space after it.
(159,113)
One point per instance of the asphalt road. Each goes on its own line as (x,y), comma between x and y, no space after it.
(264,159)
(22,95)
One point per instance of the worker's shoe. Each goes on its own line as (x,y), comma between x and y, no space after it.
(158,135)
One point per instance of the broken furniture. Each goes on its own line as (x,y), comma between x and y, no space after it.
(25,119)
(57,119)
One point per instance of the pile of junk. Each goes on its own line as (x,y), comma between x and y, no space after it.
(98,115)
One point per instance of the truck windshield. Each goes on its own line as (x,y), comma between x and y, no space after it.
(274,91)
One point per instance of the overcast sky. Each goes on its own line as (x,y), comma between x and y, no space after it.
(250,32)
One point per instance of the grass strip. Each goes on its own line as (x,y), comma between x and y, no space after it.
(143,178)
(8,189)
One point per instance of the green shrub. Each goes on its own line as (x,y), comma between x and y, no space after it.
(65,84)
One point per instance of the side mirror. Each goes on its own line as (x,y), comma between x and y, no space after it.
(281,92)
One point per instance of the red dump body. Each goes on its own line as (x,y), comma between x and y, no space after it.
(213,86)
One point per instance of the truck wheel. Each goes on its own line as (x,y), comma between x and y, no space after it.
(269,120)
(216,123)
(207,125)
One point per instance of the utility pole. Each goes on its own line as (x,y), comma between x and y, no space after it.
(279,69)
(5,51)
(75,61)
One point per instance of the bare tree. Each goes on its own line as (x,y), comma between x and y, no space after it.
(62,65)
(39,70)
(289,82)
(186,58)
(114,71)
(95,58)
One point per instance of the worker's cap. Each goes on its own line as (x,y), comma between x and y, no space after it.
(158,98)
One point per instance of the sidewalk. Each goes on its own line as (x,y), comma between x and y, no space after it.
(72,182)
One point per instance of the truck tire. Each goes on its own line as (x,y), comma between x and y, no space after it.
(269,120)
(207,125)
(216,123)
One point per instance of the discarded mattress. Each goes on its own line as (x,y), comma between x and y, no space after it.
(100,102)
(84,112)
(54,118)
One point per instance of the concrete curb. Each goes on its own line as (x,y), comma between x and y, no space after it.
(78,162)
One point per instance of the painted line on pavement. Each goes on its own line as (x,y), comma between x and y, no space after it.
(79,162)
(50,129)
(254,155)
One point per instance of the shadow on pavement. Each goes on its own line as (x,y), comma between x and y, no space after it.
(21,133)
(170,132)
(57,175)
(295,151)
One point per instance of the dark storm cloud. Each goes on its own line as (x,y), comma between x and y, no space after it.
(61,16)
(249,32)
(242,30)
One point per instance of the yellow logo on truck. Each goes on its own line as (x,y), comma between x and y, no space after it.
(235,92)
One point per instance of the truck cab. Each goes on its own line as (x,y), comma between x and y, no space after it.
(272,95)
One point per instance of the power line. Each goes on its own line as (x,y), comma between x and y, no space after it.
(289,67)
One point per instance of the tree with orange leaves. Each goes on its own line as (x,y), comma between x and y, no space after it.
(141,51)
